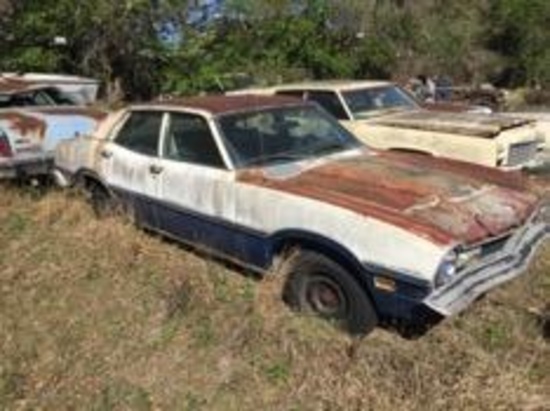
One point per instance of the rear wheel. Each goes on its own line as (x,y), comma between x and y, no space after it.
(318,285)
(101,200)
(98,196)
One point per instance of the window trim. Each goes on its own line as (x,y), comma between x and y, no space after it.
(117,128)
(308,92)
(212,126)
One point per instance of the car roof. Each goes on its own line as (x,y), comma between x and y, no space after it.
(222,104)
(335,84)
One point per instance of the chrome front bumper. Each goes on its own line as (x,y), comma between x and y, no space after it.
(490,272)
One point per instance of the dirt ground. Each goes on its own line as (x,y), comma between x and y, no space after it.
(97,315)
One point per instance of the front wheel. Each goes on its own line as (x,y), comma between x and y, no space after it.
(318,285)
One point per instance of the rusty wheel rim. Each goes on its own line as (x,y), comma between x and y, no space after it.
(325,297)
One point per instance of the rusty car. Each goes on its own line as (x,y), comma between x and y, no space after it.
(34,117)
(385,116)
(277,185)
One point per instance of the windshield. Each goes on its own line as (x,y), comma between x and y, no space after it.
(372,101)
(48,96)
(283,134)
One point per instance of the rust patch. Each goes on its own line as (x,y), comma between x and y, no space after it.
(443,205)
(24,124)
(512,179)
(223,104)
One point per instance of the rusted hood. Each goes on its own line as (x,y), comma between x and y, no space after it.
(439,200)
(47,126)
(468,124)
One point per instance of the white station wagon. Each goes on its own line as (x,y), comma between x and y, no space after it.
(365,236)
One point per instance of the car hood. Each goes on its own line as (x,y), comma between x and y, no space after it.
(443,200)
(468,124)
(46,126)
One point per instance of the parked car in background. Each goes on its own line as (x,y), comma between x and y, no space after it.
(540,118)
(78,90)
(385,116)
(34,117)
(362,235)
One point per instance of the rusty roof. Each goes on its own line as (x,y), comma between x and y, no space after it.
(220,104)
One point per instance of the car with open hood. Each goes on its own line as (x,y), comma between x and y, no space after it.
(34,117)
(362,235)
(385,116)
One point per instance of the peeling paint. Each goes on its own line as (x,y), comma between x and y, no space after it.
(23,124)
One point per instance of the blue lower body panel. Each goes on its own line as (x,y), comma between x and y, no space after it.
(251,248)
(256,250)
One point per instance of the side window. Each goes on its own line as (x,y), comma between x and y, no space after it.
(330,102)
(291,93)
(140,132)
(190,140)
(41,98)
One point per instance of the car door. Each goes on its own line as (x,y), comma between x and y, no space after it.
(196,186)
(131,163)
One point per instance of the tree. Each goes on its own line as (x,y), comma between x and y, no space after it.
(115,41)
(520,32)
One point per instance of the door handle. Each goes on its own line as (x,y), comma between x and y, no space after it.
(106,154)
(155,169)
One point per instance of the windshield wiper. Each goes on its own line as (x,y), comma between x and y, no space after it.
(328,148)
(270,158)
(382,111)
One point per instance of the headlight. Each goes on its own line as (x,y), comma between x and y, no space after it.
(447,269)
(454,262)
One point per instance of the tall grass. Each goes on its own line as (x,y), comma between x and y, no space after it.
(97,315)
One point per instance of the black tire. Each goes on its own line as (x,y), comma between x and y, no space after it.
(98,197)
(101,200)
(318,285)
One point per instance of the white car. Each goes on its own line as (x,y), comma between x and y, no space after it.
(384,116)
(34,117)
(376,235)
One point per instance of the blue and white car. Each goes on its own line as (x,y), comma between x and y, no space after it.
(362,235)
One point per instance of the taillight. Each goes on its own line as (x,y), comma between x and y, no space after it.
(5,147)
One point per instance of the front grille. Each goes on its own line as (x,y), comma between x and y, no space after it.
(521,153)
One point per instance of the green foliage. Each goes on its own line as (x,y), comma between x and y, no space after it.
(115,41)
(520,32)
(504,40)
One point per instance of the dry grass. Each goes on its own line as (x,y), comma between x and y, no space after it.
(96,315)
